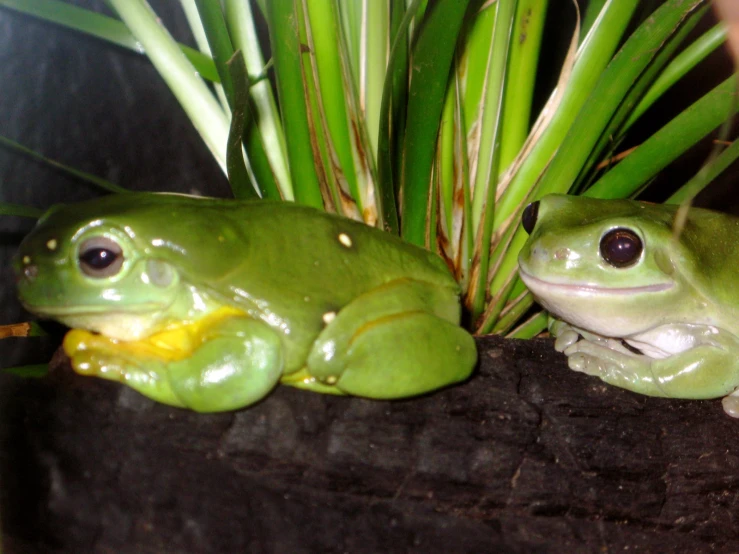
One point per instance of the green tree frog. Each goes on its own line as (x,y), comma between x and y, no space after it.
(637,304)
(207,304)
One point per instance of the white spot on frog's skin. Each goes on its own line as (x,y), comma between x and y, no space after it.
(331,380)
(111,295)
(306,298)
(328,317)
(26,259)
(51,244)
(345,239)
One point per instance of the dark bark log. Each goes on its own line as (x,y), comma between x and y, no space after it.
(525,457)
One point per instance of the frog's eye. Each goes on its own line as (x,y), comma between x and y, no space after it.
(100,257)
(528,219)
(621,247)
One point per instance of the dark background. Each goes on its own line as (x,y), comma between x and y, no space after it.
(97,108)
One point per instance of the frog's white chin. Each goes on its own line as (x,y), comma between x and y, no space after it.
(119,326)
(586,306)
(134,323)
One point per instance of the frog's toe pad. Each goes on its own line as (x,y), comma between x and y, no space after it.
(566,339)
(585,363)
(92,363)
(731,405)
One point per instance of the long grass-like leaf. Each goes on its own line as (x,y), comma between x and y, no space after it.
(190,9)
(671,24)
(392,114)
(521,77)
(82,175)
(530,328)
(238,176)
(718,165)
(683,62)
(18,210)
(329,103)
(664,146)
(283,22)
(488,165)
(29,371)
(432,57)
(214,24)
(265,129)
(198,102)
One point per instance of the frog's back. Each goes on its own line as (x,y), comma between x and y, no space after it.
(294,250)
(712,239)
(311,250)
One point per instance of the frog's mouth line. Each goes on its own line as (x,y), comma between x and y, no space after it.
(578,290)
(63,311)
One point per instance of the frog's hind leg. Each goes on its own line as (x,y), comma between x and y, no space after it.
(395,341)
(406,355)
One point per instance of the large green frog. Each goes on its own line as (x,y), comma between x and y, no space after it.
(638,301)
(207,304)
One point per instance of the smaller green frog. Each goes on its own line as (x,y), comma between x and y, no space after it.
(207,304)
(636,304)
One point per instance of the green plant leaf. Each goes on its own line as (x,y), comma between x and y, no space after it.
(488,160)
(521,77)
(282,19)
(671,24)
(198,102)
(82,175)
(214,24)
(29,371)
(265,128)
(18,210)
(664,146)
(392,114)
(433,52)
(683,62)
(238,175)
(707,173)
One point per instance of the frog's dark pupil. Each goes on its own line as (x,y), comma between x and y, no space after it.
(530,214)
(621,247)
(98,258)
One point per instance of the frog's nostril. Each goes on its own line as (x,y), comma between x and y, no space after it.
(30,272)
(540,254)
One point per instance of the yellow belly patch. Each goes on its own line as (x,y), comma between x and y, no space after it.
(175,342)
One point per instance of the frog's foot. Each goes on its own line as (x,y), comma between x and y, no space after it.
(396,341)
(97,356)
(234,363)
(703,371)
(731,404)
(613,363)
(567,335)
(407,355)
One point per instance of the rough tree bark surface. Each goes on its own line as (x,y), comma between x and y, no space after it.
(525,457)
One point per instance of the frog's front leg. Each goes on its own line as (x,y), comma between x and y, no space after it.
(395,341)
(567,335)
(708,369)
(235,363)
